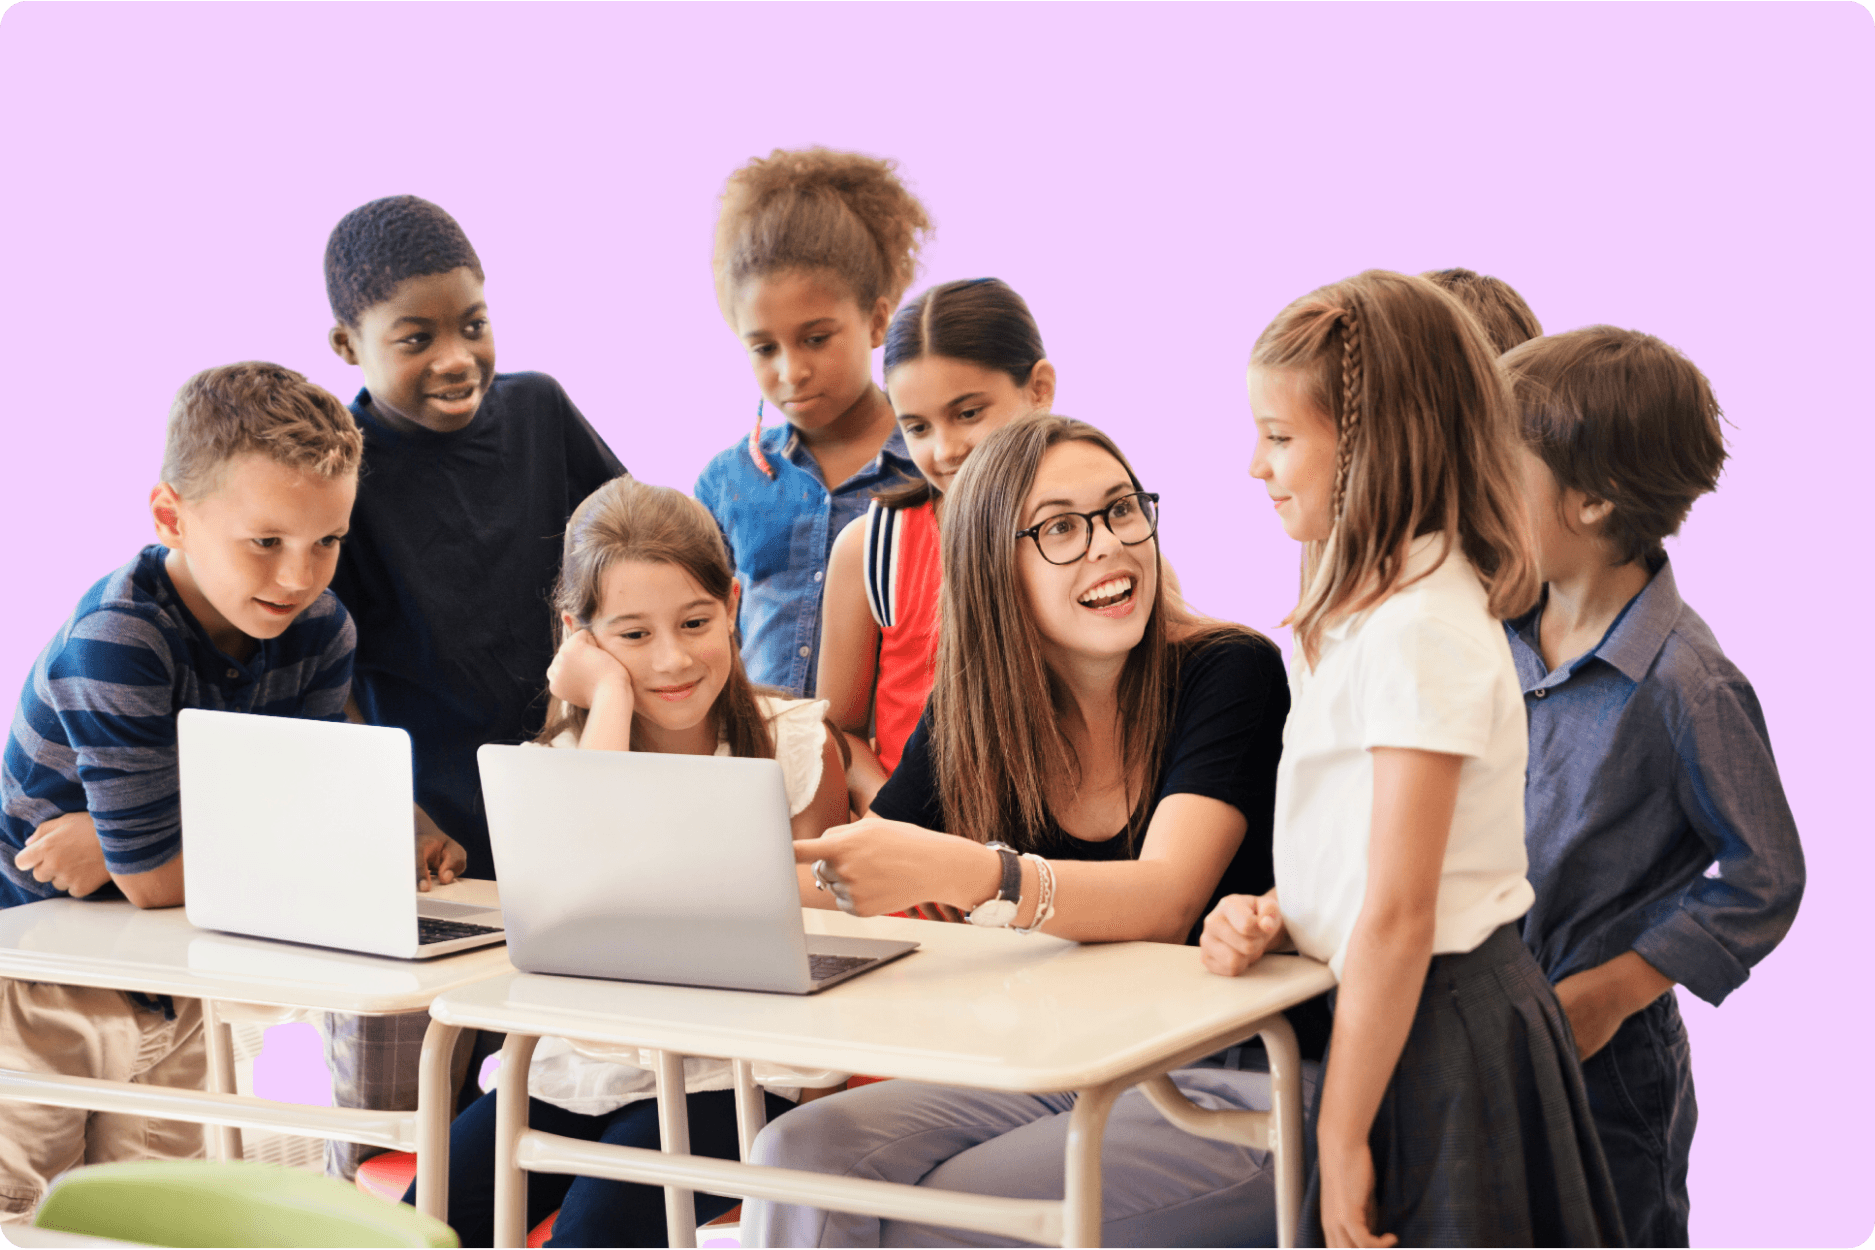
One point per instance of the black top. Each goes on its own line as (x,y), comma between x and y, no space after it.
(448,573)
(1229,702)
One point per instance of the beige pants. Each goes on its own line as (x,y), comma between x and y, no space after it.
(74,1031)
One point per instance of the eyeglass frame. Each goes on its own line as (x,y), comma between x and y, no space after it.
(1106,518)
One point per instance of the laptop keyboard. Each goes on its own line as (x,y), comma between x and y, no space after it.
(431,930)
(824,967)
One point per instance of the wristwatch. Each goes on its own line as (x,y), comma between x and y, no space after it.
(1000,912)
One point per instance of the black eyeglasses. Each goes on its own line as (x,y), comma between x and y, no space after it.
(1067,536)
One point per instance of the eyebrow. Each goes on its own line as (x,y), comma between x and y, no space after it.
(1067,505)
(760,333)
(705,601)
(480,306)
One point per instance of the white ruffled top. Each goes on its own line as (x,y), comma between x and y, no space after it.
(595,1079)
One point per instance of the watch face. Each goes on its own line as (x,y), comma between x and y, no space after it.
(998,913)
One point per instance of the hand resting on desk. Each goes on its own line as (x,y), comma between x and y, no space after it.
(1240,930)
(65,853)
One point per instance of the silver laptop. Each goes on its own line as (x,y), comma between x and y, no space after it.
(638,866)
(304,830)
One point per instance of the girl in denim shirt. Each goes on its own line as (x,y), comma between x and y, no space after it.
(813,250)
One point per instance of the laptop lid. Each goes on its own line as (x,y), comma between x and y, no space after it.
(639,866)
(299,830)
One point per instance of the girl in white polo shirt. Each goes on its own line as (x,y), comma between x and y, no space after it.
(1452,1111)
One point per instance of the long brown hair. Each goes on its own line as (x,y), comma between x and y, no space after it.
(628,520)
(996,737)
(1426,437)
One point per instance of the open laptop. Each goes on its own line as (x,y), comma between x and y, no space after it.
(638,866)
(304,830)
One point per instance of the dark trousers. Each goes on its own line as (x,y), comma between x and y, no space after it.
(593,1212)
(1641,1090)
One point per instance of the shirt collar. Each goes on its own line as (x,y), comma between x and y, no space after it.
(892,453)
(1641,630)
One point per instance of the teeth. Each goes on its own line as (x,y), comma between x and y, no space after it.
(1107,592)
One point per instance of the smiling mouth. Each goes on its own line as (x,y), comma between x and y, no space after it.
(674,693)
(276,607)
(1110,593)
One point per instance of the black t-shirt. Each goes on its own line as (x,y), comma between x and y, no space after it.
(448,573)
(1229,703)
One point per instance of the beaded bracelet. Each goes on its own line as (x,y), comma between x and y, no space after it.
(1044,910)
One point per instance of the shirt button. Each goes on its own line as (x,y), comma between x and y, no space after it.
(232,674)
(1540,692)
(804,652)
(818,574)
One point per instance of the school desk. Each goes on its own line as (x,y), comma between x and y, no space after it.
(114,945)
(976,1007)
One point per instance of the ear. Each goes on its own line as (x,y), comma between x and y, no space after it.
(340,339)
(881,318)
(1041,386)
(735,599)
(166,511)
(1593,511)
(572,626)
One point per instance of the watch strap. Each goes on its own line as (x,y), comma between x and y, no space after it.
(1011,888)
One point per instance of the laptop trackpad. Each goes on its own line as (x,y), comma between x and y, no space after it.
(437,909)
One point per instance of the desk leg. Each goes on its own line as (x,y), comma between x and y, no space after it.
(680,1205)
(436,1105)
(224,1142)
(517,1053)
(751,1108)
(1279,1042)
(1080,1215)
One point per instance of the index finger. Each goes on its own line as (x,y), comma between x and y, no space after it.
(809,850)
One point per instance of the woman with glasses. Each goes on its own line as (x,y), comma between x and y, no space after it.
(1095,763)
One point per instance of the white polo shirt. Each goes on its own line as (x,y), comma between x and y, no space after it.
(1428,668)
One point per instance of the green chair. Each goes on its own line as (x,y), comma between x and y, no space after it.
(193,1203)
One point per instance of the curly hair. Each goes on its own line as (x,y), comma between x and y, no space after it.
(1621,416)
(254,406)
(376,246)
(819,209)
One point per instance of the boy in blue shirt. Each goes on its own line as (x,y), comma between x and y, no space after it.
(1661,848)
(469,477)
(230,612)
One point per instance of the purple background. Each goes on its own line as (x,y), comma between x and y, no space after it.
(1156,181)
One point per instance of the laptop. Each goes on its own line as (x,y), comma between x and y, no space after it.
(302,830)
(639,866)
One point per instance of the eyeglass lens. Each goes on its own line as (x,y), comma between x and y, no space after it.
(1067,537)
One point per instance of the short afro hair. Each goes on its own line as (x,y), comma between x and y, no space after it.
(375,247)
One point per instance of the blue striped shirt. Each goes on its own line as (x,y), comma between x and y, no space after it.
(95,729)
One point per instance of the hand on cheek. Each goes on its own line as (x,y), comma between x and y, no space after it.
(581,667)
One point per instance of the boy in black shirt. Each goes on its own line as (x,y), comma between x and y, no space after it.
(469,477)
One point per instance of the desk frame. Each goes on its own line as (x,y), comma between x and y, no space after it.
(1072,1221)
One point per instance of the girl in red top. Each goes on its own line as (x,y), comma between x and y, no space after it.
(961,361)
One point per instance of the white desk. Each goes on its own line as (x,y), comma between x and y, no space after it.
(114,945)
(974,1007)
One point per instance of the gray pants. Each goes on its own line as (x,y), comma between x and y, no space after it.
(374,1064)
(1160,1186)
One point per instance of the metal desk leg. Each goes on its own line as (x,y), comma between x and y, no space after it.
(751,1107)
(680,1205)
(224,1142)
(436,1105)
(1081,1225)
(517,1053)
(1279,1042)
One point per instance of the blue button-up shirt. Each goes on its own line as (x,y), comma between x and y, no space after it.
(780,532)
(1654,815)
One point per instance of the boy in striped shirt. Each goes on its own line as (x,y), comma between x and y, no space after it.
(229,612)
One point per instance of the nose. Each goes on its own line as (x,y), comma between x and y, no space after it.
(454,359)
(668,657)
(1259,463)
(953,445)
(1105,542)
(295,571)
(794,369)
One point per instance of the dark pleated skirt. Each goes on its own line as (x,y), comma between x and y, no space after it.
(1484,1136)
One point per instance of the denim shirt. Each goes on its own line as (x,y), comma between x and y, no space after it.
(780,532)
(1654,815)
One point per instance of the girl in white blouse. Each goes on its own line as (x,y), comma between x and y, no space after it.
(1452,1110)
(648,662)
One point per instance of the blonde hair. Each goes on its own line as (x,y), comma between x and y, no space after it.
(627,520)
(818,209)
(1425,442)
(254,406)
(995,708)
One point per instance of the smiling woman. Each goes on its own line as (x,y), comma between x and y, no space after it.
(1094,762)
